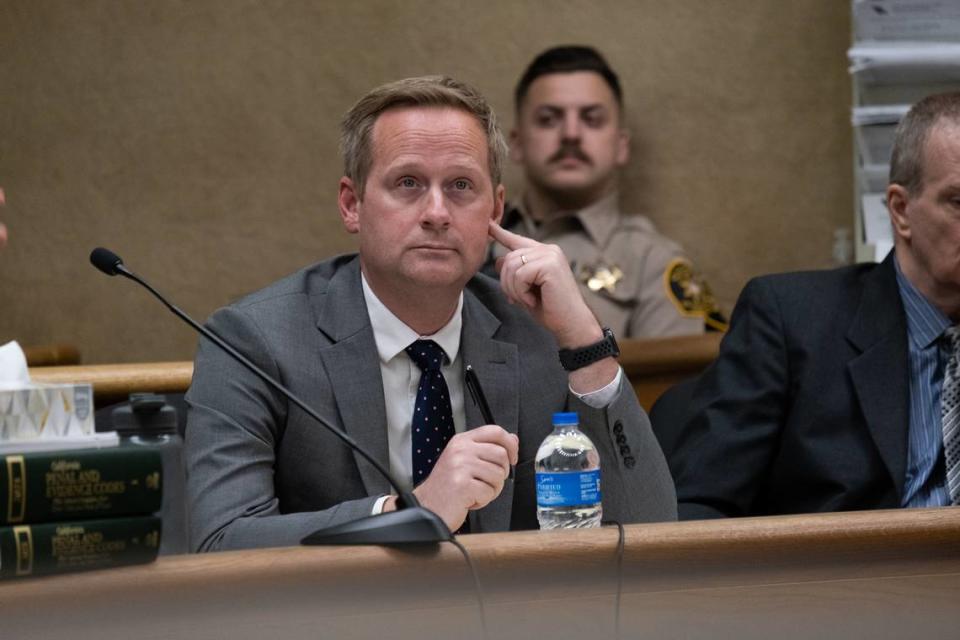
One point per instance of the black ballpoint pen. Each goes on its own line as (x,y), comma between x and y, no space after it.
(476,392)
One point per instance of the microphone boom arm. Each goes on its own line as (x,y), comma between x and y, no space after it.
(405,498)
(409,524)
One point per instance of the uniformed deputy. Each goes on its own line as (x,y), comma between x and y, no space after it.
(569,139)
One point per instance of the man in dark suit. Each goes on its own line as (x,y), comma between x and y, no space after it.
(350,335)
(836,390)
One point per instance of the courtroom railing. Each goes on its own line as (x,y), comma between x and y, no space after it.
(652,366)
(115,382)
(51,355)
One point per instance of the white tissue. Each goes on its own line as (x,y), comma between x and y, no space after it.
(13,367)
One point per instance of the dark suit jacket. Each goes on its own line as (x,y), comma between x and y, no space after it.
(806,408)
(263,473)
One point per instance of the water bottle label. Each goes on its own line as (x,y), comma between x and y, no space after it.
(568,489)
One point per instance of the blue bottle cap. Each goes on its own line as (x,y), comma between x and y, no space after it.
(565,418)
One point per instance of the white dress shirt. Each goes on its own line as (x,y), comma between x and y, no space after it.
(401,377)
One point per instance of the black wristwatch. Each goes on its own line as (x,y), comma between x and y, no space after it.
(573,359)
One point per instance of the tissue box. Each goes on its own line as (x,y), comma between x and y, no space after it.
(46,411)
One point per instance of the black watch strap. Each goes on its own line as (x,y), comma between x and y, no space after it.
(573,359)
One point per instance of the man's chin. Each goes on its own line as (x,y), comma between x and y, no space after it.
(437,275)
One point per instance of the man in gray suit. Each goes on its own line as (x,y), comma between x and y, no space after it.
(422,192)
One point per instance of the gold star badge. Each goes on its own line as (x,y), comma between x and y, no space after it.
(602,277)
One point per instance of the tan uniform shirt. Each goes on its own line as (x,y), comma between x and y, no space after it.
(638,282)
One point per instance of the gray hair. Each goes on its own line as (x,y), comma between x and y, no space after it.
(906,161)
(426,91)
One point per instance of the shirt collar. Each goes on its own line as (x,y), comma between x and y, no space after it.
(599,219)
(925,321)
(393,336)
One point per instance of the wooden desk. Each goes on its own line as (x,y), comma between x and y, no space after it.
(882,574)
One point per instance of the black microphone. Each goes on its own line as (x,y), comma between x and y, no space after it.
(410,523)
(106,260)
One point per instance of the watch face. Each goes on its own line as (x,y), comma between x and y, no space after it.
(612,340)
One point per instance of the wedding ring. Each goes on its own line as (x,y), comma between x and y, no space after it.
(523,259)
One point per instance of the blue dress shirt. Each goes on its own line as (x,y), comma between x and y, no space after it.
(925,483)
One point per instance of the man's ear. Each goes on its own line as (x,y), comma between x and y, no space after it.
(623,147)
(349,201)
(498,199)
(516,151)
(898,200)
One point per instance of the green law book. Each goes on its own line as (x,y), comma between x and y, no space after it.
(77,545)
(47,486)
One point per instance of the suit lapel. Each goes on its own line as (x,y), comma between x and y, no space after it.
(496,364)
(879,373)
(353,369)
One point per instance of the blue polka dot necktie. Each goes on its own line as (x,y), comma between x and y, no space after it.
(950,412)
(432,424)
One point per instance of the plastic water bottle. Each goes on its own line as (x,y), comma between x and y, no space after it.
(568,477)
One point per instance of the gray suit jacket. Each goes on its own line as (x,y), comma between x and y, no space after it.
(263,473)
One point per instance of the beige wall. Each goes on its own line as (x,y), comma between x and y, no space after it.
(198,138)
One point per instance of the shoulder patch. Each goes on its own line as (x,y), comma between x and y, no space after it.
(691,294)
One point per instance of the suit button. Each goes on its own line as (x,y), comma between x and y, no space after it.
(621,439)
(618,427)
(629,462)
(624,450)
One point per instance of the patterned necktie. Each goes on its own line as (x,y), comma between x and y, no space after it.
(432,425)
(950,412)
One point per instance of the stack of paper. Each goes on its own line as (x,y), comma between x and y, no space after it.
(919,20)
(903,51)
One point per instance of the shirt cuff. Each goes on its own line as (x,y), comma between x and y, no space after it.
(378,505)
(603,397)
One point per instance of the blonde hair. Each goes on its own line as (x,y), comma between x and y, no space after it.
(424,91)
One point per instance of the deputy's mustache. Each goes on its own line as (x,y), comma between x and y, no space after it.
(568,150)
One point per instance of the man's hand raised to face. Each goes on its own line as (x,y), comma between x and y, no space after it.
(537,277)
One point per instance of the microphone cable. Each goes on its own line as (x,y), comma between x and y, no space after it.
(476,583)
(620,546)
